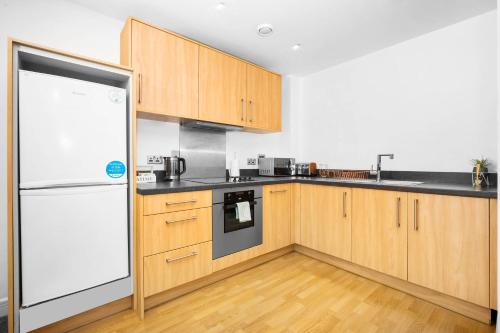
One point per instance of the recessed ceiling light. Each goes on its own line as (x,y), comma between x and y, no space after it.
(220,6)
(296,47)
(264,30)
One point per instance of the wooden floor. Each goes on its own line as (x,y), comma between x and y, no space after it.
(293,293)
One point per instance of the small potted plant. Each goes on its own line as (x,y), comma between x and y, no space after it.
(480,172)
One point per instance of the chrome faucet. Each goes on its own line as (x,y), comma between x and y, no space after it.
(379,163)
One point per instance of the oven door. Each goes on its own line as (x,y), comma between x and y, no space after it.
(231,222)
(231,236)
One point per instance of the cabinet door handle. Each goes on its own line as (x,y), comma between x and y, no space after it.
(140,89)
(398,212)
(279,191)
(181,220)
(415,214)
(169,203)
(242,109)
(250,110)
(344,199)
(192,254)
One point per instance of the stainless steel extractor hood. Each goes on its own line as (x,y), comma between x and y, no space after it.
(209,125)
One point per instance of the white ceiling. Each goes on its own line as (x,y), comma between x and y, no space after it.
(330,31)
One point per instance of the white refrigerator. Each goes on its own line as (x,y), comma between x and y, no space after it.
(73,183)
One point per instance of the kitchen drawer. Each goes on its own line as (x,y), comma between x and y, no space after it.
(170,269)
(170,231)
(172,202)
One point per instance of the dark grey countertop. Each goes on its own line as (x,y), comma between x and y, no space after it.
(426,187)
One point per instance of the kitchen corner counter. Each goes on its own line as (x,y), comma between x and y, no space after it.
(426,187)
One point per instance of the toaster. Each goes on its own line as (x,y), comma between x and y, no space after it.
(306,169)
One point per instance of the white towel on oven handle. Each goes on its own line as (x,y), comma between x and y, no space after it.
(243,212)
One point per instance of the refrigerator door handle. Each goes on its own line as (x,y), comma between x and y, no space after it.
(71,190)
(49,185)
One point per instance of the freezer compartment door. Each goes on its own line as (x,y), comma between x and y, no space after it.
(71,132)
(72,239)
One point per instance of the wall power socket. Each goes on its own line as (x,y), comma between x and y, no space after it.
(251,161)
(155,159)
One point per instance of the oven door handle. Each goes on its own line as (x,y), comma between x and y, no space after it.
(227,207)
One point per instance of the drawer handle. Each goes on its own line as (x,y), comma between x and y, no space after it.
(344,210)
(192,254)
(415,215)
(398,212)
(251,111)
(140,88)
(242,109)
(279,191)
(180,220)
(169,203)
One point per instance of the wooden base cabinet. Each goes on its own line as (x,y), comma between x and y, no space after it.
(438,243)
(173,242)
(164,271)
(379,231)
(277,209)
(325,219)
(493,253)
(170,231)
(448,245)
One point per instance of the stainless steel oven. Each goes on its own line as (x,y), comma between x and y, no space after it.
(229,235)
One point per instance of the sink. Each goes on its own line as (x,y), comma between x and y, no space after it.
(400,182)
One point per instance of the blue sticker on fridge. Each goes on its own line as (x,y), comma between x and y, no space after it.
(115,169)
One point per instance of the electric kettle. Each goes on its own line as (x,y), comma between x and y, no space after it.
(173,170)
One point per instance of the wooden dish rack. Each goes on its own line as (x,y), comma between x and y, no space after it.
(344,174)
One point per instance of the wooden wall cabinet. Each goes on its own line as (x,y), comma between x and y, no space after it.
(165,69)
(222,88)
(264,99)
(379,231)
(237,93)
(178,78)
(448,245)
(325,219)
(277,202)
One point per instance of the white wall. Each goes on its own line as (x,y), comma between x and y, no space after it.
(156,138)
(56,24)
(431,101)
